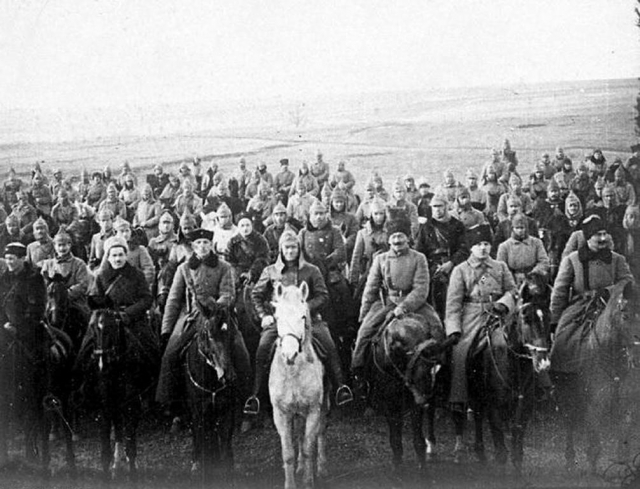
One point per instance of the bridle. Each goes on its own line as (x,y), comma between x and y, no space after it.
(106,355)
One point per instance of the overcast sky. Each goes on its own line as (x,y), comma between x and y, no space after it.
(74,53)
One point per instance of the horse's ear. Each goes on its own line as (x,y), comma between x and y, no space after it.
(304,290)
(277,293)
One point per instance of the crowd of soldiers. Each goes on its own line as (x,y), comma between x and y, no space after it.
(255,225)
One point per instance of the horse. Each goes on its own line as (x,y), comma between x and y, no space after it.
(511,356)
(296,389)
(29,363)
(116,366)
(403,367)
(60,313)
(211,392)
(606,393)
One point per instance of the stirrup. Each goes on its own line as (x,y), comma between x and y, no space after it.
(252,406)
(343,395)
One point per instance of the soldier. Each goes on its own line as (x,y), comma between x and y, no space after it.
(64,212)
(479,287)
(292,269)
(248,253)
(299,205)
(67,265)
(399,200)
(441,241)
(464,211)
(344,220)
(201,284)
(284,181)
(113,203)
(96,251)
(41,194)
(273,232)
(397,284)
(584,278)
(147,213)
(42,248)
(523,253)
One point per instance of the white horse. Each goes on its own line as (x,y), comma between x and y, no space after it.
(299,400)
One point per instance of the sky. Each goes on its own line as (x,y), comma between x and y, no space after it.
(92,53)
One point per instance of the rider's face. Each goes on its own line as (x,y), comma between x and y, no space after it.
(599,241)
(438,210)
(117,257)
(279,219)
(14,263)
(378,216)
(481,250)
(573,207)
(398,242)
(202,247)
(519,231)
(290,251)
(62,247)
(165,226)
(245,227)
(124,233)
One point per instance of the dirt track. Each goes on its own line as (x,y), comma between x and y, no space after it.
(359,457)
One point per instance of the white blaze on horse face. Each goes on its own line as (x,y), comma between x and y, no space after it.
(291,313)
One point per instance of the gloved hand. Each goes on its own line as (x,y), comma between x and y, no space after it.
(10,328)
(499,309)
(267,321)
(454,338)
(162,301)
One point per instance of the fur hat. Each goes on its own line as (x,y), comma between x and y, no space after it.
(17,249)
(423,183)
(592,225)
(462,192)
(187,219)
(114,242)
(338,194)
(397,221)
(478,234)
(200,234)
(519,219)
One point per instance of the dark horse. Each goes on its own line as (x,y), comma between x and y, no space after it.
(606,393)
(211,391)
(402,373)
(113,361)
(504,371)
(29,361)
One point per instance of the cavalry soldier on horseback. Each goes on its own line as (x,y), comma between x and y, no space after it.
(479,289)
(67,265)
(291,268)
(581,292)
(274,230)
(397,284)
(248,253)
(22,306)
(201,284)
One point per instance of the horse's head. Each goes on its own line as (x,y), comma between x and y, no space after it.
(531,331)
(57,299)
(213,339)
(622,315)
(108,331)
(408,347)
(535,288)
(292,319)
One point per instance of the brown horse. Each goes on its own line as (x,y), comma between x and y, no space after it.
(403,371)
(606,393)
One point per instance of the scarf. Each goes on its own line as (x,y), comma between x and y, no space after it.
(211,260)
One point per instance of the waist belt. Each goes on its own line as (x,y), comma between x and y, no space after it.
(398,293)
(484,300)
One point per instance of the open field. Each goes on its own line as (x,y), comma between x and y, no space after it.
(392,133)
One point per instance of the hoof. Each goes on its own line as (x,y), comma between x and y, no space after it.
(176,426)
(246,426)
(76,437)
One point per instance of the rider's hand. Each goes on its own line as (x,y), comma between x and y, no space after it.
(398,312)
(245,277)
(500,309)
(454,338)
(125,318)
(445,268)
(267,321)
(9,328)
(162,300)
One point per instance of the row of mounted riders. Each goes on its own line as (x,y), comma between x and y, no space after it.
(407,373)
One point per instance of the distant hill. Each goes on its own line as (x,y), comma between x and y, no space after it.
(393,132)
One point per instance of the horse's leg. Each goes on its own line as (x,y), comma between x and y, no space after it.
(395,439)
(321,448)
(431,433)
(284,425)
(105,439)
(458,423)
(419,444)
(497,426)
(225,437)
(308,448)
(131,420)
(478,419)
(197,432)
